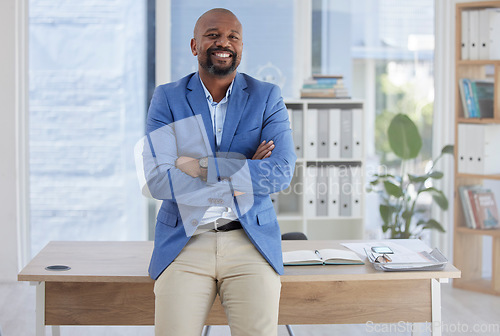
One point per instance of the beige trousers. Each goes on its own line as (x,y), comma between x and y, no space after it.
(224,263)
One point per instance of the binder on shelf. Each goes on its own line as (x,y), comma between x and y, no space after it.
(356,190)
(465,35)
(311,140)
(275,200)
(322,187)
(298,127)
(479,144)
(484,34)
(310,179)
(462,158)
(472,148)
(334,132)
(473,34)
(488,157)
(290,117)
(346,134)
(345,196)
(333,192)
(357,133)
(322,127)
(494,33)
(469,148)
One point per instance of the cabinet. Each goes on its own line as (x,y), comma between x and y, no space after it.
(326,197)
(468,243)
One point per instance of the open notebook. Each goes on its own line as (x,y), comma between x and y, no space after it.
(321,257)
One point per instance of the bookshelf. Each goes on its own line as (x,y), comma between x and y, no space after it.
(468,243)
(337,211)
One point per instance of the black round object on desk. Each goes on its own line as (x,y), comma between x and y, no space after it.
(57,268)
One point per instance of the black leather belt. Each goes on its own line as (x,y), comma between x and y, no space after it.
(234,225)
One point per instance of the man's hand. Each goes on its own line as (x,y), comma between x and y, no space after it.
(188,165)
(264,150)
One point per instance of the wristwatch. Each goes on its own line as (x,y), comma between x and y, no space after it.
(203,163)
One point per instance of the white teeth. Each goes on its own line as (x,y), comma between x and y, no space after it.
(224,55)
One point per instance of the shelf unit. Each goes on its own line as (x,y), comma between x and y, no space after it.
(294,204)
(468,243)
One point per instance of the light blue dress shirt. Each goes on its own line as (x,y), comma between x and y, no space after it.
(218,114)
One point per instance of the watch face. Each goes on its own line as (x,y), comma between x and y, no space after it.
(203,162)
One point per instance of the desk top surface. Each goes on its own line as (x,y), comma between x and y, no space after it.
(128,262)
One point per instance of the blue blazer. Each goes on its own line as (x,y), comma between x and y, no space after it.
(256,112)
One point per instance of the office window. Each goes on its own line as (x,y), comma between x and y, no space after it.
(385,50)
(87,109)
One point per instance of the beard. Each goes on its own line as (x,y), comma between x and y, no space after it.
(216,69)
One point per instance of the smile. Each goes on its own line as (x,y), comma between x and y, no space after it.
(222,54)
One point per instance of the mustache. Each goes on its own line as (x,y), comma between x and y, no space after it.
(211,50)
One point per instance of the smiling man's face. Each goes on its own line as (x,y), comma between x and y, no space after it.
(218,43)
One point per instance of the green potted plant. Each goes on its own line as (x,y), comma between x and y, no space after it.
(399,193)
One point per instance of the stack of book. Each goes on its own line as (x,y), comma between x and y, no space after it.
(324,86)
(480,207)
(477,97)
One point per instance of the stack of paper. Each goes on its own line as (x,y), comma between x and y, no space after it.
(403,259)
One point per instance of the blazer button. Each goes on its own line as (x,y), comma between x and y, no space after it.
(194,222)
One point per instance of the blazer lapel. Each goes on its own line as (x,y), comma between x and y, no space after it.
(237,103)
(198,103)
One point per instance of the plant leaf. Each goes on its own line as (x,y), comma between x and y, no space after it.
(407,214)
(421,222)
(385,213)
(434,225)
(417,178)
(448,149)
(404,138)
(438,197)
(435,175)
(393,189)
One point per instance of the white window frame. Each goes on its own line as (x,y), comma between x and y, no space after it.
(14,177)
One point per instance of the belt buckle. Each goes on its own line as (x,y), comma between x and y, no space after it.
(216,229)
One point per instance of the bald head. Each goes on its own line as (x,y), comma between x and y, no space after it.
(210,15)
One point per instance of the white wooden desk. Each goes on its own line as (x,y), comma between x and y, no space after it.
(108,284)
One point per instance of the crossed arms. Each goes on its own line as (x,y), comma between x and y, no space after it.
(172,150)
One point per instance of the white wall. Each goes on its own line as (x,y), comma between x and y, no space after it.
(12,98)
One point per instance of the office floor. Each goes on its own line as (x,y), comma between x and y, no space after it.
(464,313)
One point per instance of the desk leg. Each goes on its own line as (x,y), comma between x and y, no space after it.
(56,330)
(436,307)
(40,311)
(40,308)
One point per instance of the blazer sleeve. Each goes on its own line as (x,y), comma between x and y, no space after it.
(162,179)
(274,173)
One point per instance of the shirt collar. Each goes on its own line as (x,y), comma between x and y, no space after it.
(209,96)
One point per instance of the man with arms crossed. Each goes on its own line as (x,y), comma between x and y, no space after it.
(216,230)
